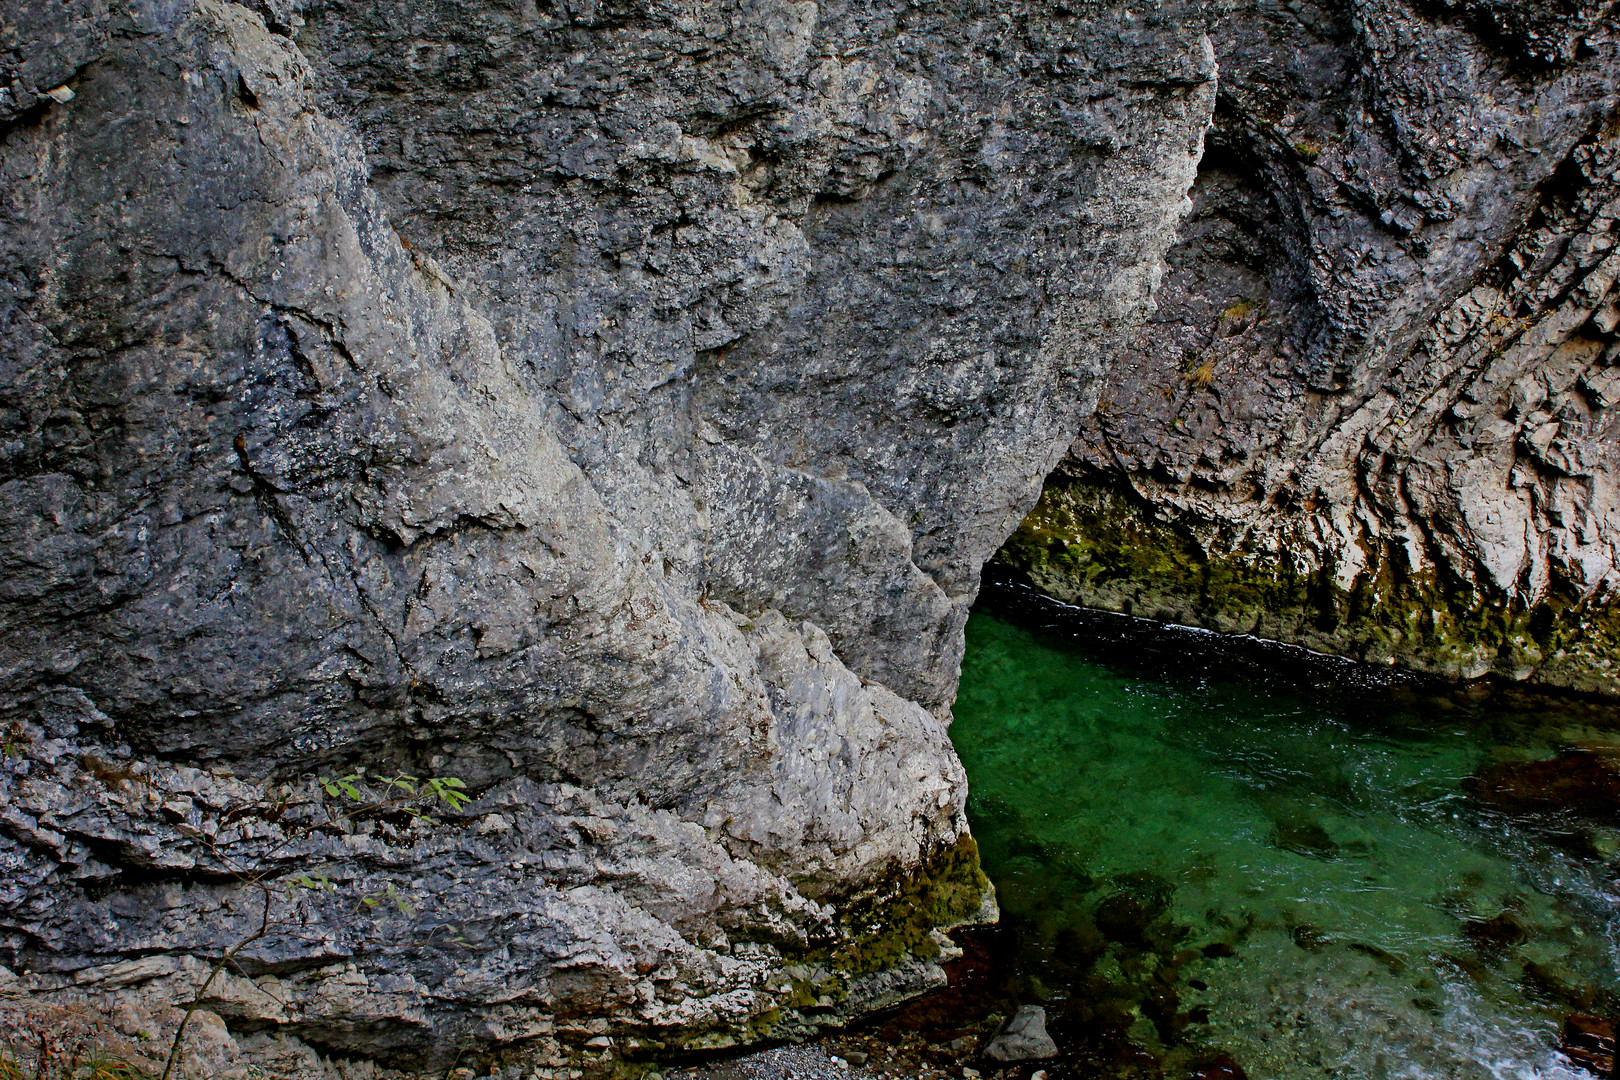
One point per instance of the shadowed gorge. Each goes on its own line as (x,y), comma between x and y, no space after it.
(492,491)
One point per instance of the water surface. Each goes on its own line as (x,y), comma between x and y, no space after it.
(1215,853)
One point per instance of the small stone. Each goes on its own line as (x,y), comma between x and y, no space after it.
(856,1057)
(1038,1074)
(840,1062)
(970,1074)
(1024,1038)
(61,95)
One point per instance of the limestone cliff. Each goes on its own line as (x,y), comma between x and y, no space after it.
(608,405)
(1375,411)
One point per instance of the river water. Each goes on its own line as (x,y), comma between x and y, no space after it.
(1215,855)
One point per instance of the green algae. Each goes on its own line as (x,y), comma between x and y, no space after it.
(1087,544)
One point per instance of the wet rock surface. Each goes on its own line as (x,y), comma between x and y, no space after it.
(608,406)
(1372,414)
(1589,1042)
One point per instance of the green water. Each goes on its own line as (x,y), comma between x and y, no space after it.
(1203,852)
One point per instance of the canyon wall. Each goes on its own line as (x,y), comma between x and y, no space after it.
(607,406)
(1375,411)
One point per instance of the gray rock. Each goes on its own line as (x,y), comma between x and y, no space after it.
(1373,413)
(1023,1038)
(609,405)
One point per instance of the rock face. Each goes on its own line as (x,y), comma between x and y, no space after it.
(1375,412)
(608,405)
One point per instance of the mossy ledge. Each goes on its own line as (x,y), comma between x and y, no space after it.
(1093,545)
(885,924)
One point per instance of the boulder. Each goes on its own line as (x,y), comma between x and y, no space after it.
(1023,1038)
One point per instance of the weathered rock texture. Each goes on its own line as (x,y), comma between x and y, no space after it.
(1375,412)
(607,404)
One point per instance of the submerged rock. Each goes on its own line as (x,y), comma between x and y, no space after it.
(1494,936)
(1220,1067)
(1305,838)
(1585,783)
(1589,1042)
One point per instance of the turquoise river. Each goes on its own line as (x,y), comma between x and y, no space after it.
(1217,858)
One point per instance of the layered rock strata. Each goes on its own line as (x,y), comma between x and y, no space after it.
(608,406)
(1375,412)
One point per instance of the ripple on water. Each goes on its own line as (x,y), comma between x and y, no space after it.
(1208,848)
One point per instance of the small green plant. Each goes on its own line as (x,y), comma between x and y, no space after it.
(449,790)
(403,793)
(1308,150)
(346,786)
(1240,310)
(113,1068)
(11,745)
(400,793)
(390,896)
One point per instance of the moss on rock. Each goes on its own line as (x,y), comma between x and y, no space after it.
(897,918)
(1087,544)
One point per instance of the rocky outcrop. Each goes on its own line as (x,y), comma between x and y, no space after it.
(1375,412)
(608,406)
